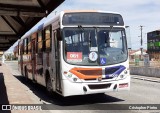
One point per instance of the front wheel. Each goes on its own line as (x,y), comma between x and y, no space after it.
(49,86)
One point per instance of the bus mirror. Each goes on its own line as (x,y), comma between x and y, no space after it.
(127,28)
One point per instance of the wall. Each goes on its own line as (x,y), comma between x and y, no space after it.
(146,71)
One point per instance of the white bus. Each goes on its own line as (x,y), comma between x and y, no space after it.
(77,53)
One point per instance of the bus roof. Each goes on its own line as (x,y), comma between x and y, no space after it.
(49,19)
(100,11)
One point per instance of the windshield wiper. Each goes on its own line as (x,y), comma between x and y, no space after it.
(80,26)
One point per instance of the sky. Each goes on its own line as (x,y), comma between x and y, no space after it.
(135,13)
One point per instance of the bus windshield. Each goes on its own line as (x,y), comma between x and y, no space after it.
(94,46)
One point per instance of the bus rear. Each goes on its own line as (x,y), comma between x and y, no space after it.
(94,56)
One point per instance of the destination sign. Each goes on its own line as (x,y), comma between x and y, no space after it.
(92,18)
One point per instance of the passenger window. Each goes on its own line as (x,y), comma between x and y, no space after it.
(29,45)
(48,38)
(26,46)
(39,41)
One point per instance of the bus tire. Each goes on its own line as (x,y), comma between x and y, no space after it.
(49,85)
(26,74)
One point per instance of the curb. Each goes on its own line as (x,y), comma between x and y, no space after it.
(146,79)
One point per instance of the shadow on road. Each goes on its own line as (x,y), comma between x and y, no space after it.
(56,99)
(3,94)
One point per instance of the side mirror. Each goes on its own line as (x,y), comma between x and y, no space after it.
(128,36)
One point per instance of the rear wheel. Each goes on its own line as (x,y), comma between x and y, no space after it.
(49,86)
(26,74)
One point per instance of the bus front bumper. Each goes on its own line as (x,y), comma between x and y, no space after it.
(70,88)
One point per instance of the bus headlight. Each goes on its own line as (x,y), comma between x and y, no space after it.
(125,72)
(71,77)
(123,75)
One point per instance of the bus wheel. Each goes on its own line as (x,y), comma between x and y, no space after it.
(26,74)
(49,85)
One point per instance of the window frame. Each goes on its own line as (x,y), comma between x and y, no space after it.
(49,38)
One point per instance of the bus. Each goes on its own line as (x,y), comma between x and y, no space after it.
(77,53)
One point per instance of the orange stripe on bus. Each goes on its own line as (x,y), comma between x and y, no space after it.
(87,73)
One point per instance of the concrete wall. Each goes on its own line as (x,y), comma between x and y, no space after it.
(146,71)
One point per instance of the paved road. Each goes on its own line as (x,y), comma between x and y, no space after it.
(142,92)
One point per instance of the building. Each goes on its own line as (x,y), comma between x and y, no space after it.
(153,44)
(136,54)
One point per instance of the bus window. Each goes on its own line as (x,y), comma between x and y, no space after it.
(39,41)
(26,46)
(34,38)
(29,45)
(25,43)
(48,38)
(24,52)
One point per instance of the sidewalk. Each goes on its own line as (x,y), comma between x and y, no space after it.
(16,92)
(12,91)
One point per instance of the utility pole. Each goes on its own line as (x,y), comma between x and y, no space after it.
(141,48)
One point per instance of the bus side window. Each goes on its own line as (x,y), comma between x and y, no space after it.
(39,42)
(21,47)
(18,48)
(47,39)
(29,45)
(34,39)
(55,43)
(25,44)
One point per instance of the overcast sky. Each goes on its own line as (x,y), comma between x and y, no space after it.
(134,12)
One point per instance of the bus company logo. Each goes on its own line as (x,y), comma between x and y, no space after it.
(113,75)
(74,56)
(99,78)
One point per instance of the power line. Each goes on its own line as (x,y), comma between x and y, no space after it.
(141,28)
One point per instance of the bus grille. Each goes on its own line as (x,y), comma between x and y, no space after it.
(90,72)
(99,86)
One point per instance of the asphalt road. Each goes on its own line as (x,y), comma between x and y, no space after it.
(142,92)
